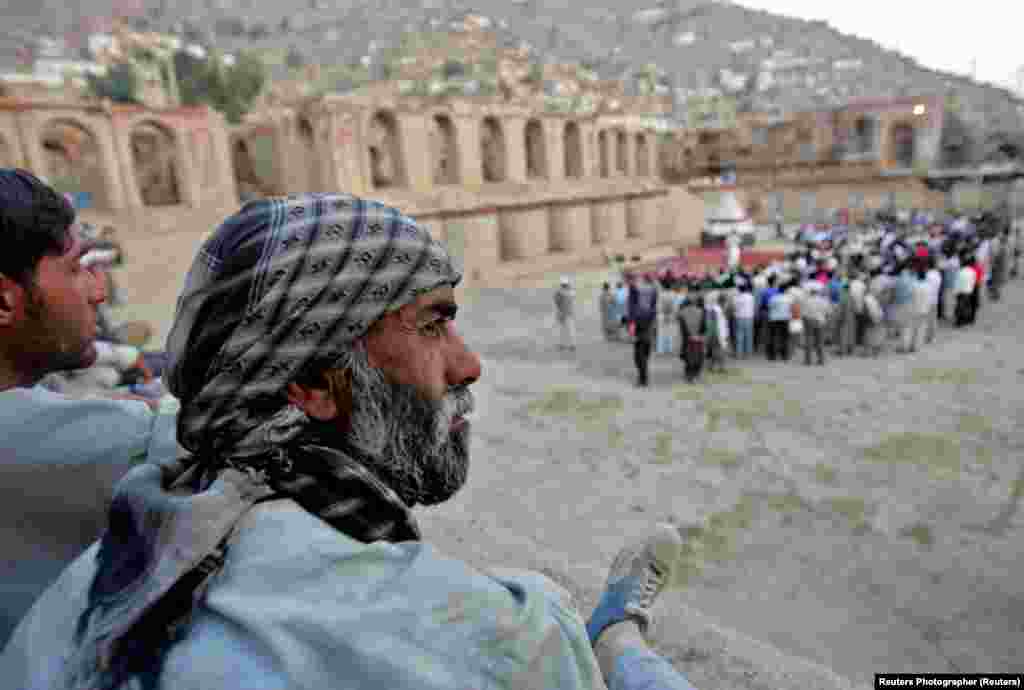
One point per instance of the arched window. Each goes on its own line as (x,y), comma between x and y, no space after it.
(864,135)
(536,151)
(621,153)
(573,150)
(386,166)
(155,161)
(643,156)
(903,152)
(252,159)
(602,149)
(444,151)
(72,161)
(492,150)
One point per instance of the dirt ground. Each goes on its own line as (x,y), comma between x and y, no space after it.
(842,521)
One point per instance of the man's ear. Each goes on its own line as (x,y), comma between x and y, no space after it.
(315,402)
(11,296)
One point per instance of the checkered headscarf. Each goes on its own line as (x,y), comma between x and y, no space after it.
(283,286)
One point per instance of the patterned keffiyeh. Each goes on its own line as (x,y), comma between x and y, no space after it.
(283,284)
(281,288)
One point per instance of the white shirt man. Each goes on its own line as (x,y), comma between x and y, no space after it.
(744,305)
(733,243)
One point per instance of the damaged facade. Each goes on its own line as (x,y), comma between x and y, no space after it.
(868,155)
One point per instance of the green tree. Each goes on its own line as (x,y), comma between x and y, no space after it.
(229,88)
(119,84)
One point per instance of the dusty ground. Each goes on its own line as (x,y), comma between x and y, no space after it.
(843,521)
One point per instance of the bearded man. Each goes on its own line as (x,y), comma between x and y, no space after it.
(324,393)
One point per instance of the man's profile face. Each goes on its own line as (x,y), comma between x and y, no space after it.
(410,399)
(58,329)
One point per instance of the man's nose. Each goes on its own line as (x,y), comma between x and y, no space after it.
(99,281)
(464,365)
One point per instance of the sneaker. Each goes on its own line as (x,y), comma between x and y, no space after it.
(638,574)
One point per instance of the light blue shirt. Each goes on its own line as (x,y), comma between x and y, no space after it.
(60,458)
(300,605)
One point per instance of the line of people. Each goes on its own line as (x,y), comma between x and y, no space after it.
(892,292)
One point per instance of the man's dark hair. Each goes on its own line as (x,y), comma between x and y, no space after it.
(34,222)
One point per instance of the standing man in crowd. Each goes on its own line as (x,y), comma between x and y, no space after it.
(815,313)
(565,314)
(611,321)
(59,456)
(324,393)
(643,314)
(744,310)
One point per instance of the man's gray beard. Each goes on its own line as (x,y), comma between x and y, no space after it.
(406,436)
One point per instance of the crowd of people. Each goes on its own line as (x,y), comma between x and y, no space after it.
(262,534)
(862,291)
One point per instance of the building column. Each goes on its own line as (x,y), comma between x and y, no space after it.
(122,153)
(187,169)
(554,146)
(414,148)
(221,153)
(29,135)
(589,149)
(467,133)
(514,132)
(348,151)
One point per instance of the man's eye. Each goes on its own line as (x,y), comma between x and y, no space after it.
(434,328)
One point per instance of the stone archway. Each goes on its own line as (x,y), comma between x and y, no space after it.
(602,149)
(536,151)
(387,168)
(903,145)
(309,161)
(72,161)
(155,164)
(643,156)
(444,150)
(251,159)
(573,150)
(621,153)
(492,150)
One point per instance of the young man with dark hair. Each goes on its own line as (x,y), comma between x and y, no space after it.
(59,457)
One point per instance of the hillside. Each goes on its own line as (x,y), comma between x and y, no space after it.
(765,60)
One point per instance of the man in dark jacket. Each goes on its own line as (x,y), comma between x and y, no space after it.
(691,326)
(643,313)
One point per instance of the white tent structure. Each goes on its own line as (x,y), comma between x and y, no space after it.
(723,216)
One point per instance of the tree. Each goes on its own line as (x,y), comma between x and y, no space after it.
(119,84)
(230,88)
